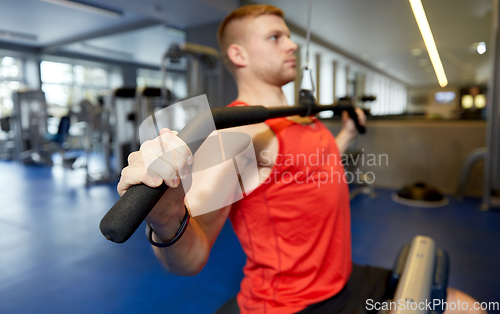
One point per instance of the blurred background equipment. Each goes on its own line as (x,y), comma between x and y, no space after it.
(492,159)
(6,139)
(30,125)
(420,194)
(123,116)
(490,154)
(204,70)
(129,107)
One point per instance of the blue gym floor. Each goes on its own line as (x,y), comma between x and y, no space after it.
(53,258)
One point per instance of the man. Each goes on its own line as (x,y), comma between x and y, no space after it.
(294,231)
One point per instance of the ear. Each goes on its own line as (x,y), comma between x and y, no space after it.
(238,55)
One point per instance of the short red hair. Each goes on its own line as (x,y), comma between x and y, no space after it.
(224,36)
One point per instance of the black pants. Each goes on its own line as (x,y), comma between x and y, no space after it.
(365,283)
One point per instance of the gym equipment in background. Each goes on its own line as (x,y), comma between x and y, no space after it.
(204,71)
(125,110)
(6,139)
(306,98)
(30,127)
(491,153)
(492,160)
(420,194)
(473,158)
(61,141)
(419,276)
(97,142)
(127,107)
(112,126)
(148,101)
(123,126)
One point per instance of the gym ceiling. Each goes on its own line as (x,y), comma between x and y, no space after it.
(381,32)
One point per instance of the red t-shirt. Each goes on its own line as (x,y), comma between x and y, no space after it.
(295,227)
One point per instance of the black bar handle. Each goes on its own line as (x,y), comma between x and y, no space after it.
(123,219)
(306,99)
(354,116)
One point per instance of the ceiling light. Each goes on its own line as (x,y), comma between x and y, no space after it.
(467,101)
(480,101)
(90,8)
(481,48)
(425,30)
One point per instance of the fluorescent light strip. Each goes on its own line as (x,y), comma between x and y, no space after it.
(425,30)
(85,7)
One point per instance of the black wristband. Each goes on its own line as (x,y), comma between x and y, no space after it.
(178,234)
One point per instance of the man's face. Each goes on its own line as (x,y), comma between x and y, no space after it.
(270,49)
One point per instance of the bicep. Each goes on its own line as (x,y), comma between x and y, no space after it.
(214,187)
(209,201)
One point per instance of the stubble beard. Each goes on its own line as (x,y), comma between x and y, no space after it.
(280,76)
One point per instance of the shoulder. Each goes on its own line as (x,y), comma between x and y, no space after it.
(258,132)
(255,131)
(262,135)
(238,103)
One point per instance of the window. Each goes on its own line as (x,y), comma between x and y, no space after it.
(444,97)
(67,84)
(148,78)
(11,79)
(391,96)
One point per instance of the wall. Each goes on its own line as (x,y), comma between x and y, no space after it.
(429,151)
(421,100)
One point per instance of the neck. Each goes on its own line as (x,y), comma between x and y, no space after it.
(257,92)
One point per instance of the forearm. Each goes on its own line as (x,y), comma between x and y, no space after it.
(343,140)
(189,254)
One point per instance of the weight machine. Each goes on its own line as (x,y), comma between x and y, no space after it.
(204,70)
(127,108)
(422,265)
(30,127)
(6,139)
(491,153)
(421,271)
